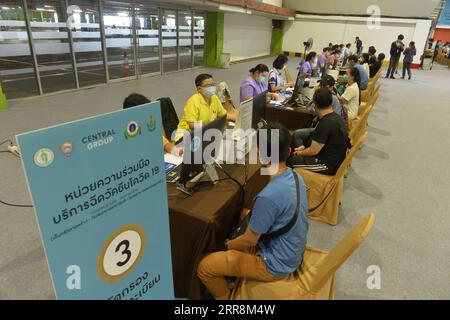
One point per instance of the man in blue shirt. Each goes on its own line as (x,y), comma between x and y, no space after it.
(353,62)
(274,207)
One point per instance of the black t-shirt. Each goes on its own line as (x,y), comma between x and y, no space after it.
(332,132)
(358,44)
(374,67)
(396,49)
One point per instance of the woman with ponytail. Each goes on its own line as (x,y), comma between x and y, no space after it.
(351,96)
(255,83)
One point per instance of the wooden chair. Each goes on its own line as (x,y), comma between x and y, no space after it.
(314,280)
(325,192)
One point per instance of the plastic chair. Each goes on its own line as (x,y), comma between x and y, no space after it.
(315,278)
(325,192)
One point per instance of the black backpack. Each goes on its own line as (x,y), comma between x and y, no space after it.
(169,116)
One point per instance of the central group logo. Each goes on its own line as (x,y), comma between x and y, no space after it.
(44,157)
(133,130)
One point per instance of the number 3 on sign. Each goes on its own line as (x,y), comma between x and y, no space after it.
(121,253)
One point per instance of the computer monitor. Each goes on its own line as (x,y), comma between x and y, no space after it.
(259,110)
(197,145)
(299,84)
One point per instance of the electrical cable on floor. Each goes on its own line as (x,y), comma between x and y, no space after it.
(16,205)
(10,142)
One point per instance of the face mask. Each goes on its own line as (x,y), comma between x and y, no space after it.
(345,78)
(210,91)
(262,80)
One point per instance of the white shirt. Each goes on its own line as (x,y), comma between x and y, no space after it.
(276,77)
(351,95)
(366,67)
(346,52)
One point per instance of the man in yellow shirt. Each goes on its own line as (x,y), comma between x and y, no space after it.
(204,106)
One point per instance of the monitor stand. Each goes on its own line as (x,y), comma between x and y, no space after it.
(209,174)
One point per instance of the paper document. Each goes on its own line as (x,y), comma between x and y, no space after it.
(173,159)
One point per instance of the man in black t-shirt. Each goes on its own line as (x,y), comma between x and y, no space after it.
(329,143)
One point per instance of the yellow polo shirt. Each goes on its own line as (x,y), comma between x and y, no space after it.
(197,109)
(165,141)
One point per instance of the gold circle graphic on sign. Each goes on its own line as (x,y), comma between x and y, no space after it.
(121,253)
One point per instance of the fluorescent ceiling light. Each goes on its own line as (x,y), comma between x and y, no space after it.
(5,8)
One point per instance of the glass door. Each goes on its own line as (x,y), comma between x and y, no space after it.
(87,42)
(185,38)
(147,39)
(17,75)
(199,39)
(169,40)
(52,45)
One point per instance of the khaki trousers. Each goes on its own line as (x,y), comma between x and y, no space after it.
(213,269)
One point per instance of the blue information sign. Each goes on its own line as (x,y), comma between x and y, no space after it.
(99,190)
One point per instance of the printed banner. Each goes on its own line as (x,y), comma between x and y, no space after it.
(444,19)
(100,197)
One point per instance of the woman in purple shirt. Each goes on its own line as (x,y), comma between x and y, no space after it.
(306,66)
(256,83)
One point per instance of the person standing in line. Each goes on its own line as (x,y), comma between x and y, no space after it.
(397,48)
(409,53)
(359,46)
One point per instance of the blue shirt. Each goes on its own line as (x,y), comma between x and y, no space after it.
(272,210)
(364,76)
(336,106)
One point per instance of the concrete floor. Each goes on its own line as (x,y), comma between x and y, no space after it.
(401,174)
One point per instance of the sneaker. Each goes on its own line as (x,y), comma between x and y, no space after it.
(392,77)
(403,77)
(409,78)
